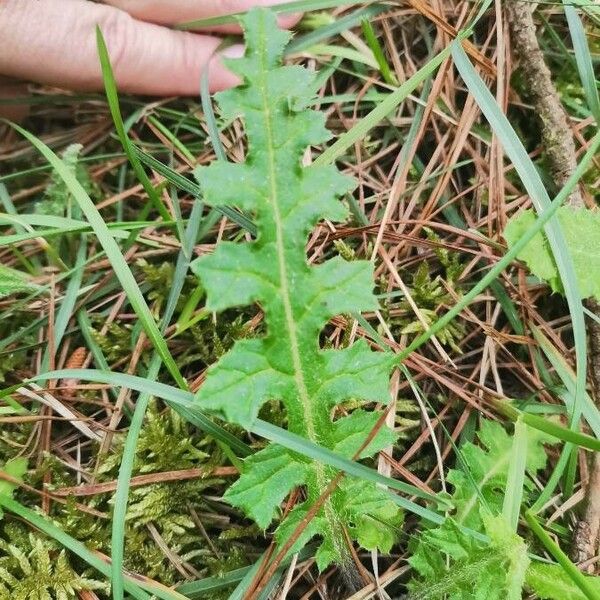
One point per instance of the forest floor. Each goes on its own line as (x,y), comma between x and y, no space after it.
(497,406)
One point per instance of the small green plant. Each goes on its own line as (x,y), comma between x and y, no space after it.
(455,561)
(447,559)
(32,566)
(429,294)
(288,363)
(58,200)
(453,564)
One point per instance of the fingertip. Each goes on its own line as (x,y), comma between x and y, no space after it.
(289,21)
(220,77)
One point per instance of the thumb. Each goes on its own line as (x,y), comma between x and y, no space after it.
(53,42)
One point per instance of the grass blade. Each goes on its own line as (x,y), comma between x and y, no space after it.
(382,110)
(193,188)
(552,547)
(533,184)
(321,454)
(113,104)
(511,509)
(121,498)
(385,107)
(590,411)
(185,399)
(118,263)
(373,42)
(583,59)
(308,40)
(550,427)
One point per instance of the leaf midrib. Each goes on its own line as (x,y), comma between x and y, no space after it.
(299,376)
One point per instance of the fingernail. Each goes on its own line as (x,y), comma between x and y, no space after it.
(220,76)
(235,51)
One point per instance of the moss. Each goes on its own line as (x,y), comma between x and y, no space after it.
(14,439)
(115,343)
(33,567)
(429,293)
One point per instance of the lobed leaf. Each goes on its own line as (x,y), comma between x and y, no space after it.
(483,476)
(349,434)
(241,382)
(372,519)
(268,477)
(447,560)
(298,299)
(456,566)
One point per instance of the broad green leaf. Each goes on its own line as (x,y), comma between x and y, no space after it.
(241,382)
(14,282)
(268,477)
(314,527)
(355,372)
(454,566)
(326,553)
(550,582)
(568,567)
(286,200)
(581,230)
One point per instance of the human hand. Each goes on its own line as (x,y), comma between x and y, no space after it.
(53,42)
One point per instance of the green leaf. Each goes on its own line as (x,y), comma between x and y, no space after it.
(294,518)
(16,468)
(568,567)
(454,566)
(550,582)
(581,230)
(484,473)
(268,477)
(349,434)
(373,518)
(326,554)
(515,479)
(355,372)
(238,385)
(286,200)
(14,282)
(446,559)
